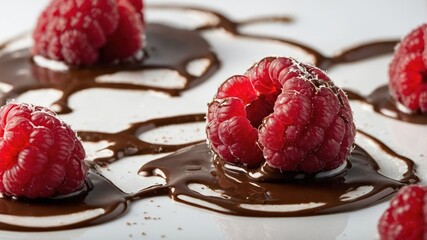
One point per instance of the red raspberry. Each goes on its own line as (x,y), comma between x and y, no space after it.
(127,40)
(76,31)
(139,6)
(41,155)
(288,113)
(408,71)
(405,218)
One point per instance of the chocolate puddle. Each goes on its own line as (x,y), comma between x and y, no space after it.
(99,194)
(198,166)
(173,49)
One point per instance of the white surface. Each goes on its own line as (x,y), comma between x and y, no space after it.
(329,26)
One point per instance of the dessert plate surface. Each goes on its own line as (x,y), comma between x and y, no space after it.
(329,27)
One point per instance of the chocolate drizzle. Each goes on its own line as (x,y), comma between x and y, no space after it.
(382,103)
(127,143)
(237,192)
(167,48)
(357,53)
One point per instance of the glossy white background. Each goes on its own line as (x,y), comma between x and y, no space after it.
(329,26)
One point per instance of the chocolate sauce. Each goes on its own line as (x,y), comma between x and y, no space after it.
(356,53)
(196,165)
(236,188)
(127,143)
(382,103)
(167,48)
(98,194)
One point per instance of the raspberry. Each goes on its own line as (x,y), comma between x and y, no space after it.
(74,31)
(127,40)
(77,31)
(283,112)
(408,71)
(138,6)
(41,155)
(404,219)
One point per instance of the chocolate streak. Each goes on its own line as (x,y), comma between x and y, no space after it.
(381,102)
(167,48)
(127,143)
(235,187)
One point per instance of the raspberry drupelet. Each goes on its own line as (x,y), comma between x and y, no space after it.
(40,155)
(284,112)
